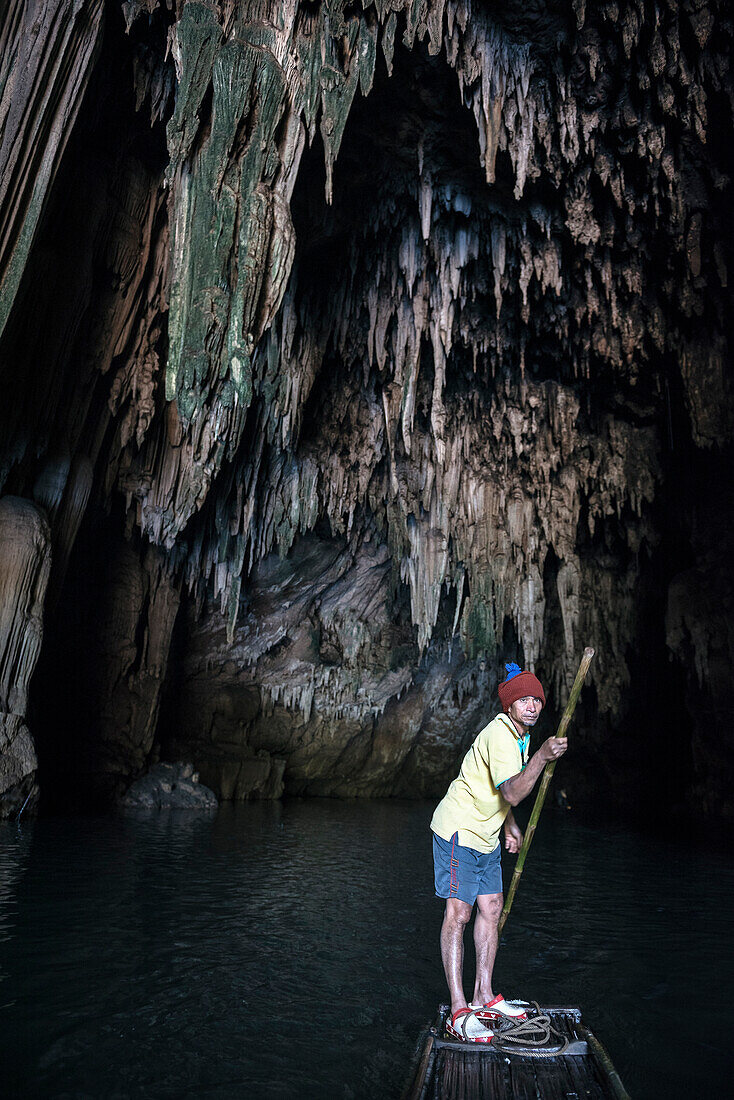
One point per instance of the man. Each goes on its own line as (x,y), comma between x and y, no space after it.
(495,775)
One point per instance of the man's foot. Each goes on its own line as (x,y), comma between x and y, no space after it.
(499,1009)
(466,1026)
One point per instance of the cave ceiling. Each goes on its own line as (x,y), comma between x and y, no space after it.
(393,340)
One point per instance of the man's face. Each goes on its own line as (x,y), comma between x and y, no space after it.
(526,711)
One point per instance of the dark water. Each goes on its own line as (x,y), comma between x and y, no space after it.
(283,950)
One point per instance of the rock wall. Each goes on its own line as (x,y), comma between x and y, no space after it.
(47,52)
(24,572)
(394,339)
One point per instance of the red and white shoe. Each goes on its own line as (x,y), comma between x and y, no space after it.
(499,1009)
(466,1026)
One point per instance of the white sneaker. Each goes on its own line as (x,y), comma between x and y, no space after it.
(499,1009)
(466,1026)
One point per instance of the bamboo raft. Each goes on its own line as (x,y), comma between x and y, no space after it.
(446,1069)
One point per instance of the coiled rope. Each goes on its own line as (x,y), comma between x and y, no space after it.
(534,1033)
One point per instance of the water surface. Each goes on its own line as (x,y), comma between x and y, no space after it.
(289,949)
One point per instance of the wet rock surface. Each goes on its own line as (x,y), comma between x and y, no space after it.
(169,787)
(380,345)
(25,564)
(321,690)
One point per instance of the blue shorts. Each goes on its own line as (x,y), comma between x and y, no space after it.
(464,873)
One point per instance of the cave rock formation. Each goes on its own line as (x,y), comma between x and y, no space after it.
(350,349)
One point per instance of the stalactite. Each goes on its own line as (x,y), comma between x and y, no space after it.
(47,52)
(510,93)
(474,380)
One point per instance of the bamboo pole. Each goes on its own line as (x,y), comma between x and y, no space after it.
(602,1056)
(542,790)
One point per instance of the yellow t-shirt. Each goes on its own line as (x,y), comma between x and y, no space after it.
(473,805)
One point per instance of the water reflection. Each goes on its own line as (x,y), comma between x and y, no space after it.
(13,858)
(282,949)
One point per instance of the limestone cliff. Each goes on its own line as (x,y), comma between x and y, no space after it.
(354,349)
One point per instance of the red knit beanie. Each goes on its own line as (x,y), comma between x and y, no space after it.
(517,685)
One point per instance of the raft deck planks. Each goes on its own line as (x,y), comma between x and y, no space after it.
(448,1070)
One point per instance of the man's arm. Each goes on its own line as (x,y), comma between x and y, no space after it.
(519,786)
(513,834)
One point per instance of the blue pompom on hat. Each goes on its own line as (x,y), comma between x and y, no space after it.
(512,670)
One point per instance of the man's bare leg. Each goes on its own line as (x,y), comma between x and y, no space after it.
(489,907)
(455,921)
